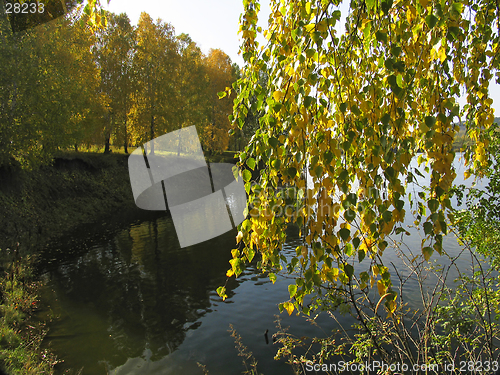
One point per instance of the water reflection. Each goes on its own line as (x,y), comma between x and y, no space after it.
(135,293)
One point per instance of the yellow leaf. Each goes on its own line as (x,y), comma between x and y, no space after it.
(289,307)
(381,288)
(239,237)
(411,14)
(391,305)
(309,27)
(442,53)
(278,95)
(334,273)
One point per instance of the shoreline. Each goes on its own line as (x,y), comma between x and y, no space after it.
(38,209)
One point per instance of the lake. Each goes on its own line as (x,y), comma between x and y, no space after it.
(129,300)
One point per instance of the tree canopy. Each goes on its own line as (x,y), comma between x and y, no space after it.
(344,113)
(91,78)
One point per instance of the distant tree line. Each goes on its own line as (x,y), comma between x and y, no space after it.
(65,87)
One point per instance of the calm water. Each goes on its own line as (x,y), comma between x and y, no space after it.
(128,300)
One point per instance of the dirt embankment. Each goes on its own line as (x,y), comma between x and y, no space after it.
(36,206)
(78,188)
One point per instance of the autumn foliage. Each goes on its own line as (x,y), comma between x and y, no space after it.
(91,78)
(345,112)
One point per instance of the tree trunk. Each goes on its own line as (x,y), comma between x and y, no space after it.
(107,136)
(107,148)
(125,143)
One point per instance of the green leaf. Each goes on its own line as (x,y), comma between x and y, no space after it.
(276,163)
(389,172)
(316,36)
(430,121)
(457,8)
(292,289)
(251,163)
(273,142)
(356,241)
(399,204)
(272,277)
(387,216)
(349,270)
(237,266)
(361,255)
(318,171)
(221,94)
(349,249)
(399,66)
(431,20)
(427,252)
(428,227)
(433,205)
(247,175)
(344,233)
(386,6)
(250,254)
(221,291)
(308,101)
(444,227)
(246,225)
(389,63)
(352,198)
(396,50)
(399,80)
(349,215)
(381,36)
(328,157)
(291,172)
(343,175)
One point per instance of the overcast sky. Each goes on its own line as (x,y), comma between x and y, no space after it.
(214,24)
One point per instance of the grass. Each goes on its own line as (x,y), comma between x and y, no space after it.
(20,336)
(221,157)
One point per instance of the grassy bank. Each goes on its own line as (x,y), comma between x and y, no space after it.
(20,336)
(37,206)
(78,188)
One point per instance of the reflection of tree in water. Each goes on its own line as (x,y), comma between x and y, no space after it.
(148,288)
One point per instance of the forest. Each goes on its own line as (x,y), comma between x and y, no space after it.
(64,86)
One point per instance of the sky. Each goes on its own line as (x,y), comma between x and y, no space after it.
(214,24)
(210,23)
